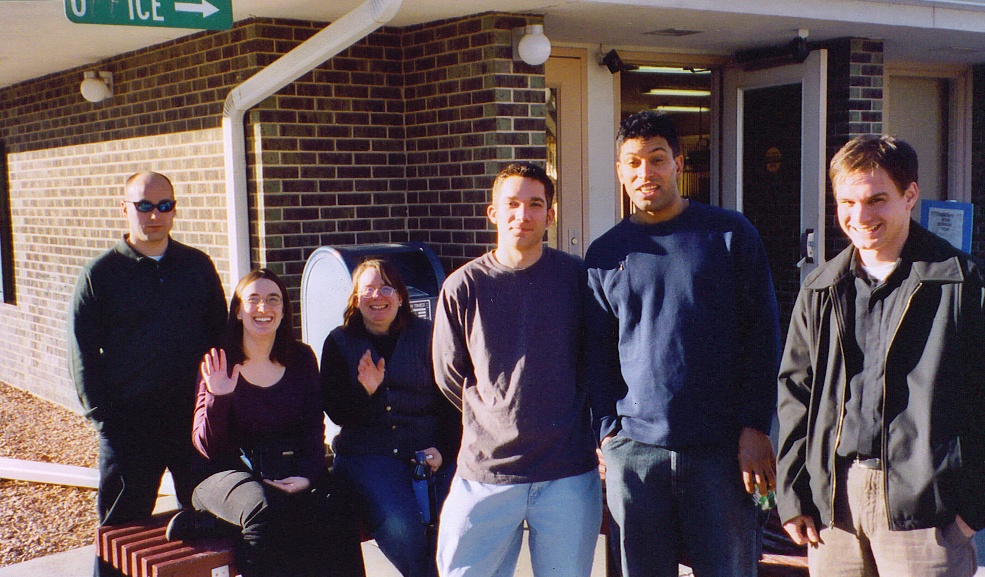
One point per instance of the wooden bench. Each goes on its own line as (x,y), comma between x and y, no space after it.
(774,565)
(141,550)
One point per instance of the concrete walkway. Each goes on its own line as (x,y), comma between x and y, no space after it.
(78,563)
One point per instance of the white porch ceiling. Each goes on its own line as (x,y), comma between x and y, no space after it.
(37,39)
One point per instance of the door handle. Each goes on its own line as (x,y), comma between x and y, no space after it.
(807,240)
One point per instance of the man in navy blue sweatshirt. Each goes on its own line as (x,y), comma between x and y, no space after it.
(683,320)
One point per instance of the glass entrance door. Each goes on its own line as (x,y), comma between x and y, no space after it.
(773,168)
(565,151)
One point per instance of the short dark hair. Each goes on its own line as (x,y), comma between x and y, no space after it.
(352,318)
(868,152)
(647,124)
(526,170)
(284,342)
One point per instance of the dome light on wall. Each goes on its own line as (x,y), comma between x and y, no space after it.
(97,86)
(530,45)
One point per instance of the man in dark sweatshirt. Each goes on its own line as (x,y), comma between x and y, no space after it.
(683,322)
(143,315)
(507,351)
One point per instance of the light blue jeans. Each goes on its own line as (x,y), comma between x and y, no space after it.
(481,527)
(664,502)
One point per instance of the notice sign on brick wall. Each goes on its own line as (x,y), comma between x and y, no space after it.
(949,220)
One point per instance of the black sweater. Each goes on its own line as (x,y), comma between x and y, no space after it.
(406,414)
(137,331)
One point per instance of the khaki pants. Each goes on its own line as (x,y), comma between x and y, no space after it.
(870,549)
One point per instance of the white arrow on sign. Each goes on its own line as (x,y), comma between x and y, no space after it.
(206,8)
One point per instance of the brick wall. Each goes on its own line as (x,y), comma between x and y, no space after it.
(395,139)
(470,110)
(67,161)
(855,81)
(66,210)
(177,86)
(327,155)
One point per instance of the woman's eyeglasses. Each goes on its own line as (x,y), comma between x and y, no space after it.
(147,206)
(384,291)
(270,300)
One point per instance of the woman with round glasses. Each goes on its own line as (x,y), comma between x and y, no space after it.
(259,423)
(378,385)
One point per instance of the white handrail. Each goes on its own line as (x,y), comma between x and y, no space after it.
(57,474)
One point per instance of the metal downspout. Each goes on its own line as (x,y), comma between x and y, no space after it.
(338,36)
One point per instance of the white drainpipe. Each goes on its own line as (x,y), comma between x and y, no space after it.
(338,36)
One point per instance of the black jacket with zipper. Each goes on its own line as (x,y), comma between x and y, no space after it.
(933,426)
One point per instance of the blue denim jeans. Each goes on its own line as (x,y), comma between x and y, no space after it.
(384,486)
(666,502)
(482,527)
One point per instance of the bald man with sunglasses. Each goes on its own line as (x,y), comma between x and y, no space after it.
(143,315)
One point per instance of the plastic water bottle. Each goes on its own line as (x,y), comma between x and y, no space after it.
(764,502)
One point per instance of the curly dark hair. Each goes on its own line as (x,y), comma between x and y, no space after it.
(649,124)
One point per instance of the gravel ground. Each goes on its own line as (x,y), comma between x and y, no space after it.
(38,519)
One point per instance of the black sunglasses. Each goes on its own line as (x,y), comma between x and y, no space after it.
(147,206)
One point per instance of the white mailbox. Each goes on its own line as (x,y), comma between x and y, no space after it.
(327,281)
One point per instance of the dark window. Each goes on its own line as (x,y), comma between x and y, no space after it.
(6,233)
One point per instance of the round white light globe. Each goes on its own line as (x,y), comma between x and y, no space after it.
(534,47)
(94,89)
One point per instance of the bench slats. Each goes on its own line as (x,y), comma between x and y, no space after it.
(141,550)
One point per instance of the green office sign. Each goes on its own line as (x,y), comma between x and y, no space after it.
(199,14)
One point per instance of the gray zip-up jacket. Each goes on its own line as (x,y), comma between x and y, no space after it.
(934,391)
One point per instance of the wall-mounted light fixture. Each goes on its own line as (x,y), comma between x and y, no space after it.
(97,86)
(799,49)
(614,63)
(796,50)
(530,45)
